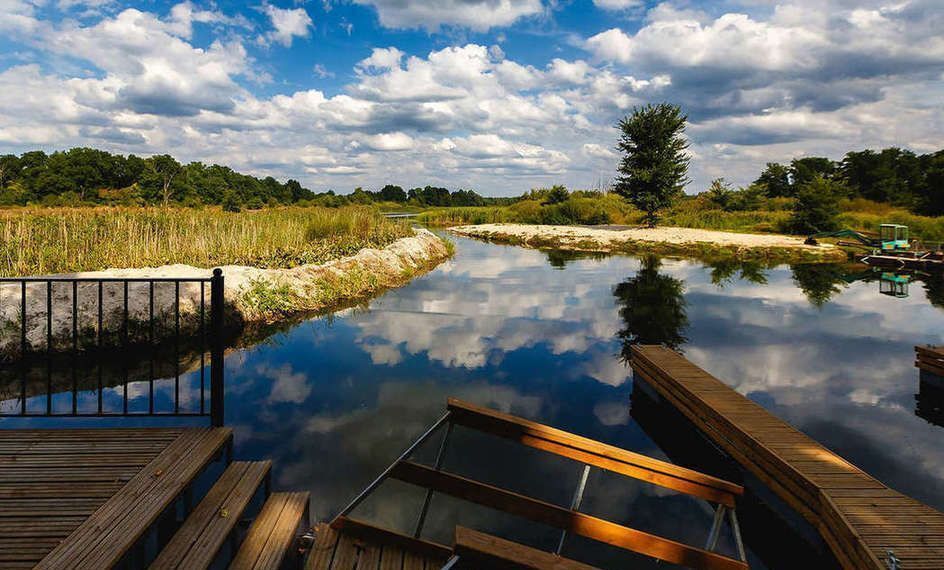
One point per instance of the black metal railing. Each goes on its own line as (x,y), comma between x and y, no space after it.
(115,329)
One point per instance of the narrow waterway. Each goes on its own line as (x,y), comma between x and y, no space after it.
(334,399)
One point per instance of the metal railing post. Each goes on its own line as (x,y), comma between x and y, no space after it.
(216,348)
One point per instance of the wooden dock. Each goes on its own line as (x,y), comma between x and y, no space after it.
(82,498)
(930,359)
(864,522)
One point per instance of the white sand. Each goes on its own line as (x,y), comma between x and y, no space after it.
(672,235)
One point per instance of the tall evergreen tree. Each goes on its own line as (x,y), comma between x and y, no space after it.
(654,166)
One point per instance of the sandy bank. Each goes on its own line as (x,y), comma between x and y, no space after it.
(662,240)
(252,295)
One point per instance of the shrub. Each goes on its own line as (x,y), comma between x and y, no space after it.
(231,202)
(817,207)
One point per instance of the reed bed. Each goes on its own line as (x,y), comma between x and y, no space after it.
(39,241)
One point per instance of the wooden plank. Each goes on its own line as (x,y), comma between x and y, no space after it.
(52,480)
(377,535)
(218,528)
(594,453)
(413,561)
(103,538)
(391,558)
(559,517)
(346,553)
(322,550)
(272,534)
(206,513)
(480,550)
(369,558)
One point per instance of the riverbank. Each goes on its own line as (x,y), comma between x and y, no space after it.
(253,296)
(670,241)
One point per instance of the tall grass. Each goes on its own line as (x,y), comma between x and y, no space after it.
(578,209)
(57,240)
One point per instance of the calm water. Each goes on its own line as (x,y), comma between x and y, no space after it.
(333,400)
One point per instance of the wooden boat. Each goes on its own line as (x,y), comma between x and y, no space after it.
(347,539)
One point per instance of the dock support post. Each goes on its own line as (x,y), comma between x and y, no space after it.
(216,348)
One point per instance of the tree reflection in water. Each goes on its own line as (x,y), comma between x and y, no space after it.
(652,306)
(723,272)
(820,281)
(934,290)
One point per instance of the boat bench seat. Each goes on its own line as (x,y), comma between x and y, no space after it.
(479,550)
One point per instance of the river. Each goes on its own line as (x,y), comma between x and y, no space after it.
(334,399)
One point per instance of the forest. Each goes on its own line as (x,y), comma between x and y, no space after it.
(88,176)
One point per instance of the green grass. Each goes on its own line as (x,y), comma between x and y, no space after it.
(37,241)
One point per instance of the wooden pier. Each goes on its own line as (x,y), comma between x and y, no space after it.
(930,359)
(866,524)
(85,499)
(82,498)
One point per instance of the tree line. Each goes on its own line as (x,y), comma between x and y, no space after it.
(91,176)
(892,175)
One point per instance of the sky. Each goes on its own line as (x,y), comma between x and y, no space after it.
(498,96)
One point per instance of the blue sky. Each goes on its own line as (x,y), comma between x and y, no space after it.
(494,95)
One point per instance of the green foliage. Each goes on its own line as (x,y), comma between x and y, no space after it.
(929,197)
(557,194)
(775,181)
(892,175)
(580,208)
(269,299)
(9,169)
(817,207)
(231,202)
(721,194)
(391,193)
(85,176)
(804,170)
(654,164)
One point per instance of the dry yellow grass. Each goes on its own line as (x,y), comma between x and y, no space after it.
(36,241)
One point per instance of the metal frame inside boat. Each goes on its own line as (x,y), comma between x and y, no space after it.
(591,454)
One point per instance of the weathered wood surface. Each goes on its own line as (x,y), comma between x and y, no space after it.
(359,546)
(594,453)
(930,359)
(480,550)
(272,534)
(79,498)
(858,516)
(199,539)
